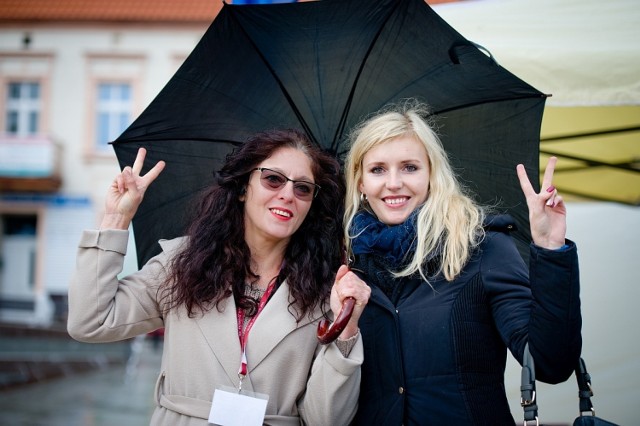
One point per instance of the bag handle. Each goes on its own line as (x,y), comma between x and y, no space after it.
(528,388)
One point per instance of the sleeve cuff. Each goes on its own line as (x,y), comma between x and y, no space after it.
(568,245)
(109,240)
(346,345)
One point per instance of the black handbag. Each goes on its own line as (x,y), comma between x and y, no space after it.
(528,395)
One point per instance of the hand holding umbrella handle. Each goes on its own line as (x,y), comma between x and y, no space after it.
(327,333)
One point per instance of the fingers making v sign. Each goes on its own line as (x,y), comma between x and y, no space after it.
(127,191)
(547,211)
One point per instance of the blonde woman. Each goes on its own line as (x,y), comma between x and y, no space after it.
(450,292)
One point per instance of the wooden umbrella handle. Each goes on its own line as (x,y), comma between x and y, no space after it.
(327,333)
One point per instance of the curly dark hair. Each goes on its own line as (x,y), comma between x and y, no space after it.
(216,261)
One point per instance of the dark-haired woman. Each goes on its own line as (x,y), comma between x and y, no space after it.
(240,296)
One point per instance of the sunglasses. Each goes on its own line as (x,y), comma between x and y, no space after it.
(272,180)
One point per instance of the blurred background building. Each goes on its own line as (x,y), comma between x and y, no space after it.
(73,75)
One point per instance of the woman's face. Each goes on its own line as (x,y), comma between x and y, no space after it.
(395,178)
(272,216)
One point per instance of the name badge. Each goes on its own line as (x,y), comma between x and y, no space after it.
(230,408)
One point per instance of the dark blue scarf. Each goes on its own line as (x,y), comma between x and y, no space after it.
(395,243)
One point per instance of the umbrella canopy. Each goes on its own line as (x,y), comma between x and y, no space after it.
(322,67)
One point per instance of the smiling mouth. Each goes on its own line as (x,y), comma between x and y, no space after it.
(281,212)
(393,201)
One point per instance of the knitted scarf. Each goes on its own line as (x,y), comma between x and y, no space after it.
(395,243)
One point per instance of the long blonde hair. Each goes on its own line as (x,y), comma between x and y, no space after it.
(449,218)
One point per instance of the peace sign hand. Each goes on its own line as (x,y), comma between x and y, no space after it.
(127,191)
(547,211)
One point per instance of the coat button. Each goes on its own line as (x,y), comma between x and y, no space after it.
(400,390)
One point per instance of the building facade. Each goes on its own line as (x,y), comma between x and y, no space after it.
(73,76)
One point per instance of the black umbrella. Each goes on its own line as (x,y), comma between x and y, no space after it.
(322,67)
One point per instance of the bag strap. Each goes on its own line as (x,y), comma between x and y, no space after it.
(584,389)
(528,388)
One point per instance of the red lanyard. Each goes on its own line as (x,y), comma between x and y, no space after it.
(243,335)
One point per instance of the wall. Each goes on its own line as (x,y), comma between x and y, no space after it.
(69,59)
(608,239)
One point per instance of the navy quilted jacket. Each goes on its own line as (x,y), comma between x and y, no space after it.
(435,355)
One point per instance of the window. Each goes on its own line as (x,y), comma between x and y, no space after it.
(23,108)
(113,112)
(115,98)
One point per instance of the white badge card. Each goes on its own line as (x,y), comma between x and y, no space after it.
(230,408)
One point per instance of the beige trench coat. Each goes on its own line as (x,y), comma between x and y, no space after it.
(307,383)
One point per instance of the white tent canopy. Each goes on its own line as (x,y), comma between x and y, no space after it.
(582,52)
(587,55)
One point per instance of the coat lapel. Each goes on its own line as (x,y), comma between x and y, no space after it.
(379,298)
(220,330)
(273,325)
(275,322)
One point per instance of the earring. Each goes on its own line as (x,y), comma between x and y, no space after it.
(363,198)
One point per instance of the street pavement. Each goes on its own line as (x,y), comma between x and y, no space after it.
(120,395)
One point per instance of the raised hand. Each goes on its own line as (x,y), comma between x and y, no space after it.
(547,211)
(127,191)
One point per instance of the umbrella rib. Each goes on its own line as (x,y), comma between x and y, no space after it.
(596,197)
(592,163)
(489,101)
(347,107)
(156,139)
(305,126)
(589,134)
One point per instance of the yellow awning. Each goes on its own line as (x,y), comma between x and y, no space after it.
(598,150)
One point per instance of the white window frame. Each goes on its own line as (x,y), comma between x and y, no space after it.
(25,107)
(112,110)
(25,68)
(111,69)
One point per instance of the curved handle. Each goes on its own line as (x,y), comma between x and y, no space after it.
(327,333)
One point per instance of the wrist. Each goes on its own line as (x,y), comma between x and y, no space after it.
(115,221)
(349,332)
(550,244)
